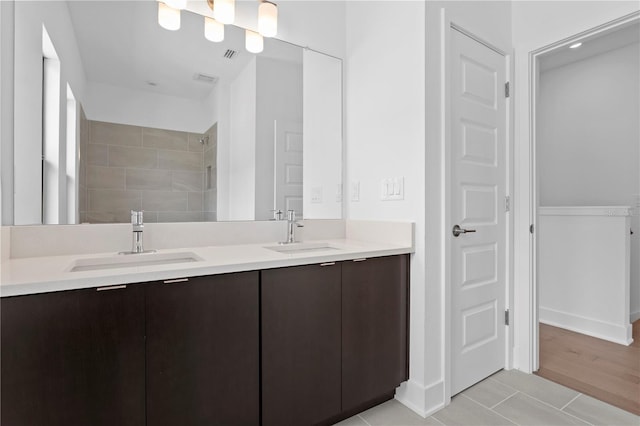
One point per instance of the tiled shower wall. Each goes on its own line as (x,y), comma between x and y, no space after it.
(170,175)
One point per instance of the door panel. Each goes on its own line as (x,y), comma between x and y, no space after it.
(478,182)
(289,167)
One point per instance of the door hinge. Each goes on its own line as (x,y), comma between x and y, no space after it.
(506,317)
(531,229)
(507,90)
(507,203)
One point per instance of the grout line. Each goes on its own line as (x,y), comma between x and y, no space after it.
(491,410)
(437,421)
(565,405)
(363,419)
(557,409)
(516,391)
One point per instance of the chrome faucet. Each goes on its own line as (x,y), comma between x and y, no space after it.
(291,226)
(137,222)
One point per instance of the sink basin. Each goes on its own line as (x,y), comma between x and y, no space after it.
(132,261)
(295,248)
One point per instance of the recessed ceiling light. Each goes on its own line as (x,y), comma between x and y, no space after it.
(575,45)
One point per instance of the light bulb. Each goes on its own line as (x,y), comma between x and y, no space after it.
(224,11)
(168,17)
(268,19)
(176,4)
(213,30)
(254,41)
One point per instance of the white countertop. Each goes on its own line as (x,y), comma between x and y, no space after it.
(52,273)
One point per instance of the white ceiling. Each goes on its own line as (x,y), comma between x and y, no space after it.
(122,44)
(592,46)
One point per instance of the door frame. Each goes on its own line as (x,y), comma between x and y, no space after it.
(448,25)
(531,296)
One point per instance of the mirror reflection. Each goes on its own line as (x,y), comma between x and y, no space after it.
(113,113)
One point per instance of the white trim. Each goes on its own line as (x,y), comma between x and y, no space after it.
(591,327)
(528,350)
(416,396)
(609,211)
(446,26)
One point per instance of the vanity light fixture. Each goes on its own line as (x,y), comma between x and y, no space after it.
(168,17)
(224,10)
(575,45)
(267,19)
(254,42)
(176,4)
(213,30)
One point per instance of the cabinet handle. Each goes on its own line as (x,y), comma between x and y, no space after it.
(328,264)
(360,260)
(179,280)
(112,287)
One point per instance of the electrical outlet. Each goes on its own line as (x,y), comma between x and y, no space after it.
(339,193)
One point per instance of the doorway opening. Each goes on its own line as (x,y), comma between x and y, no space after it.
(586,162)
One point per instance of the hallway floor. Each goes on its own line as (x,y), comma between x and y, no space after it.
(596,367)
(506,398)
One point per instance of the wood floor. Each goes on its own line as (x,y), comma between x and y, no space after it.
(604,370)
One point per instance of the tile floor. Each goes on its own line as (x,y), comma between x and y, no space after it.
(506,398)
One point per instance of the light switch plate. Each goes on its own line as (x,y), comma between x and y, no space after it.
(339,193)
(392,189)
(355,191)
(316,195)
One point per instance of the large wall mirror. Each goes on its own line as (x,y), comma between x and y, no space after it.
(113,112)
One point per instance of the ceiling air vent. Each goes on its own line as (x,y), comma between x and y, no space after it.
(229,54)
(203,78)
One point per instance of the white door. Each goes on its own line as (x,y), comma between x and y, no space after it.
(288,166)
(478,184)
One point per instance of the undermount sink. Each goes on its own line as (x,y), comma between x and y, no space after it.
(132,261)
(294,248)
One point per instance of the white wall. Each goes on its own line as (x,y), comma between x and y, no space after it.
(6,113)
(114,104)
(588,131)
(322,138)
(392,89)
(279,98)
(588,138)
(537,24)
(29,19)
(242,145)
(583,280)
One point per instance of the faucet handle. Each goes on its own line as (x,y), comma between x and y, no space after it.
(277,214)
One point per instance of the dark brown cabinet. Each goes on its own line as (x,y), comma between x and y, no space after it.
(203,351)
(73,358)
(300,344)
(374,328)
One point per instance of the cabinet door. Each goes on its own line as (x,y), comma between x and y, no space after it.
(300,344)
(73,358)
(203,351)
(374,328)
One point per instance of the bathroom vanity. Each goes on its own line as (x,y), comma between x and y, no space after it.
(306,336)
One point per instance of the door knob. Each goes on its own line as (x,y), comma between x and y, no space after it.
(456,231)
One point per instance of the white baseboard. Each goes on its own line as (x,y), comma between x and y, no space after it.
(635,316)
(423,400)
(617,333)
